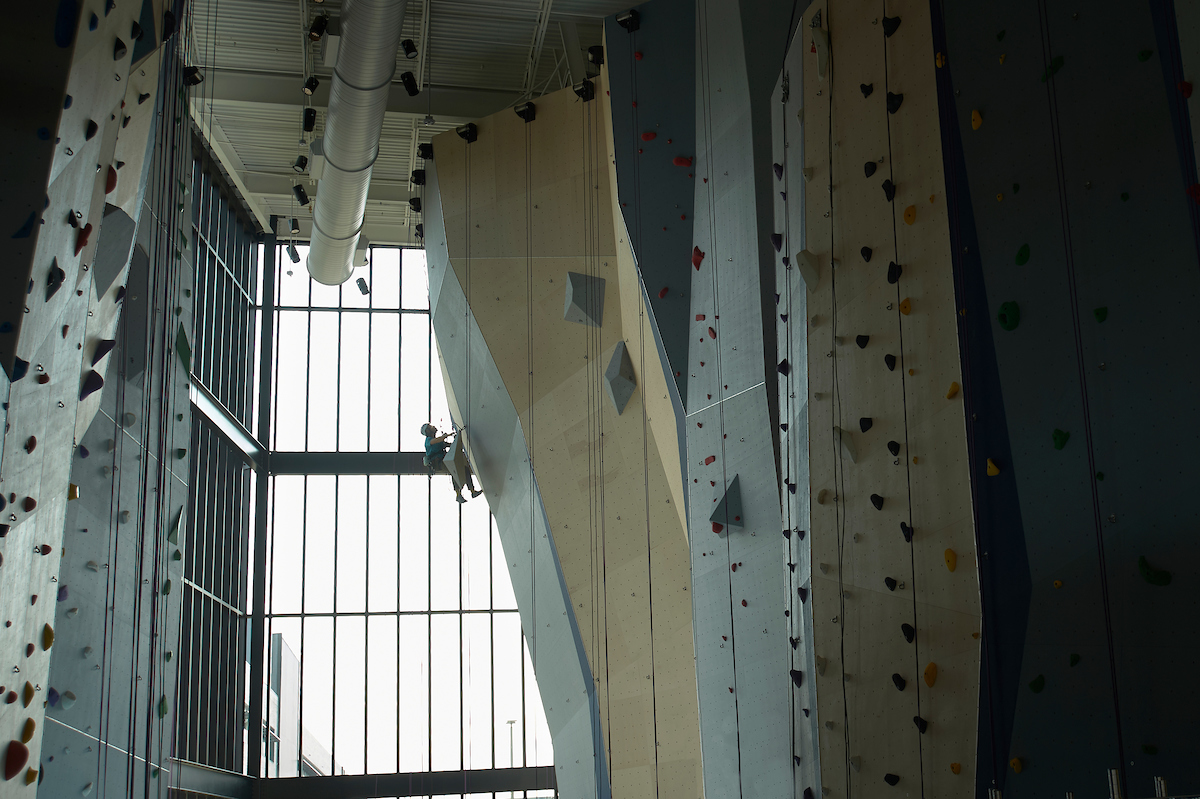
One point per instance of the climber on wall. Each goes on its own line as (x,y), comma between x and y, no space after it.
(435,455)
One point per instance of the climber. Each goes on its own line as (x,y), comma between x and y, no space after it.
(435,455)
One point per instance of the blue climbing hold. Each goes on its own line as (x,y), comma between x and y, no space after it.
(43,134)
(20,369)
(62,593)
(93,22)
(6,327)
(64,22)
(67,101)
(26,229)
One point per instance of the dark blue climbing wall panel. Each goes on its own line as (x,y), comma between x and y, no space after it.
(1071,201)
(652,78)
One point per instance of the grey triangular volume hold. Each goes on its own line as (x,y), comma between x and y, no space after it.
(846,442)
(729,509)
(619,380)
(585,299)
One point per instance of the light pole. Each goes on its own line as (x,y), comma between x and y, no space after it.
(511,761)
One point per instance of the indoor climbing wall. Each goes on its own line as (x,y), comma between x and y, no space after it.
(527,216)
(82,67)
(896,625)
(1077,260)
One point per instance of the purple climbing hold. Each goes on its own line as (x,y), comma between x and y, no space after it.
(93,22)
(52,697)
(777,241)
(62,593)
(20,369)
(103,347)
(889,190)
(908,531)
(783,194)
(120,294)
(894,272)
(91,384)
(83,451)
(778,171)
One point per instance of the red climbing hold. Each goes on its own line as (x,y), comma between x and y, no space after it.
(669,141)
(731,690)
(1194,192)
(1185,88)
(712,333)
(640,151)
(699,317)
(712,482)
(699,424)
(29,504)
(697,257)
(81,237)
(663,291)
(18,755)
(649,136)
(635,103)
(637,55)
(733,567)
(710,460)
(680,160)
(744,604)
(43,378)
(717,527)
(110,180)
(683,216)
(702,363)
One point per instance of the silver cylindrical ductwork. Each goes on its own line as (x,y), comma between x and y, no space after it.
(358,97)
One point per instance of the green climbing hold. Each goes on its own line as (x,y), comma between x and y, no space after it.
(1144,56)
(1152,575)
(1023,255)
(1016,187)
(1074,659)
(177,556)
(168,656)
(1000,35)
(1124,196)
(1038,683)
(162,708)
(1061,437)
(1101,313)
(1009,316)
(166,589)
(1055,65)
(1150,749)
(180,453)
(173,533)
(183,347)
(1099,475)
(154,772)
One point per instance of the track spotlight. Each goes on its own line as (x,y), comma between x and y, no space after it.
(428,120)
(596,54)
(291,251)
(586,90)
(469,132)
(629,20)
(362,285)
(317,29)
(526,111)
(192,76)
(310,119)
(409,47)
(415,204)
(410,84)
(311,85)
(295,227)
(418,177)
(301,194)
(420,231)
(425,151)
(301,163)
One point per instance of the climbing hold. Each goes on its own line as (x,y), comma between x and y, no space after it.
(865,252)
(869,168)
(1074,659)
(890,24)
(890,361)
(797,677)
(649,136)
(744,604)
(921,723)
(951,559)
(27,731)
(777,241)
(43,378)
(909,632)
(999,197)
(931,672)
(43,549)
(783,367)
(803,594)
(890,582)
(1185,88)
(31,444)
(166,589)
(906,531)
(29,650)
(15,759)
(87,789)
(54,279)
(103,347)
(877,501)
(29,504)
(680,160)
(663,291)
(866,89)
(110,178)
(992,468)
(976,120)
(1144,55)
(47,637)
(953,392)
(910,215)
(717,528)
(177,555)
(89,132)
(27,694)
(1100,313)
(68,699)
(712,333)
(63,593)
(1037,683)
(899,682)
(92,382)
(710,460)
(1023,255)
(894,101)
(1016,187)
(1060,438)
(864,423)
(889,190)
(162,707)
(861,341)
(891,779)
(1055,65)
(894,272)
(939,60)
(697,257)
(1057,583)
(82,236)
(1009,315)
(906,308)
(955,768)
(778,171)
(10,697)
(1160,577)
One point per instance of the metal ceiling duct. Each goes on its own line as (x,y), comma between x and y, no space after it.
(358,97)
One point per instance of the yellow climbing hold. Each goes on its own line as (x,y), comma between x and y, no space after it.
(27,694)
(72,491)
(975,635)
(30,777)
(906,306)
(976,120)
(910,214)
(1058,583)
(992,468)
(956,768)
(951,559)
(47,637)
(914,458)
(1002,58)
(912,372)
(999,197)
(1016,765)
(931,198)
(27,731)
(940,60)
(931,674)
(953,392)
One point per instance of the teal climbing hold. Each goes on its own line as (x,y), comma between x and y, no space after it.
(1016,187)
(166,589)
(1000,35)
(1144,55)
(1101,313)
(1009,316)
(1152,575)
(1037,684)
(1099,475)
(1023,255)
(1150,749)
(177,555)
(1124,196)
(1055,65)
(183,347)
(1061,437)
(1074,659)
(163,708)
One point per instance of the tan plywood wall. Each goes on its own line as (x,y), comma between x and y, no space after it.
(866,725)
(524,205)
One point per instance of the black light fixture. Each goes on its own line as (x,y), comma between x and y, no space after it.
(192,76)
(301,194)
(420,231)
(425,151)
(468,132)
(310,119)
(362,285)
(291,251)
(585,90)
(311,85)
(410,84)
(418,177)
(629,20)
(596,54)
(409,47)
(526,111)
(295,226)
(301,163)
(415,204)
(317,29)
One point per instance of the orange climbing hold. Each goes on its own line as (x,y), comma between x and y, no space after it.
(953,392)
(976,120)
(1016,765)
(1058,583)
(951,559)
(1002,58)
(910,214)
(939,60)
(931,674)
(956,768)
(699,317)
(992,468)
(906,306)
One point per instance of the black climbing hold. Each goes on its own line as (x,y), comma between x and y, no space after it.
(801,534)
(90,131)
(909,632)
(1154,576)
(907,531)
(921,723)
(783,427)
(783,317)
(890,582)
(807,791)
(864,423)
(20,369)
(1100,313)
(894,448)
(899,682)
(1023,255)
(778,171)
(894,272)
(877,501)
(894,101)
(797,677)
(792,487)
(787,534)
(1074,660)
(890,360)
(795,642)
(1060,438)
(67,101)
(869,168)
(777,241)
(55,279)
(1099,475)
(92,383)
(1144,55)
(1016,187)
(103,347)
(1055,65)
(120,295)
(890,24)
(803,592)
(143,98)
(1037,683)
(792,567)
(135,32)
(866,254)
(866,88)
(1009,315)
(891,779)
(889,190)
(119,50)
(109,5)
(783,367)
(93,22)
(861,341)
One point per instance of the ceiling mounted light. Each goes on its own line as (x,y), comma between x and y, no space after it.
(409,47)
(585,90)
(429,120)
(526,111)
(301,163)
(301,194)
(192,76)
(596,54)
(469,132)
(410,84)
(415,204)
(311,85)
(317,29)
(295,226)
(291,251)
(629,20)
(362,285)
(310,119)
(425,151)
(418,177)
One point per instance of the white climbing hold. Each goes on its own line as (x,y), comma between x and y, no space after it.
(87,651)
(825,567)
(72,612)
(67,700)
(847,443)
(806,262)
(87,789)
(821,495)
(93,565)
(808,173)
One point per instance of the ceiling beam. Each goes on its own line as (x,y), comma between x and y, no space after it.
(228,157)
(535,47)
(263,183)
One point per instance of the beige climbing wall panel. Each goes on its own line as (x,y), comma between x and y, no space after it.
(866,725)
